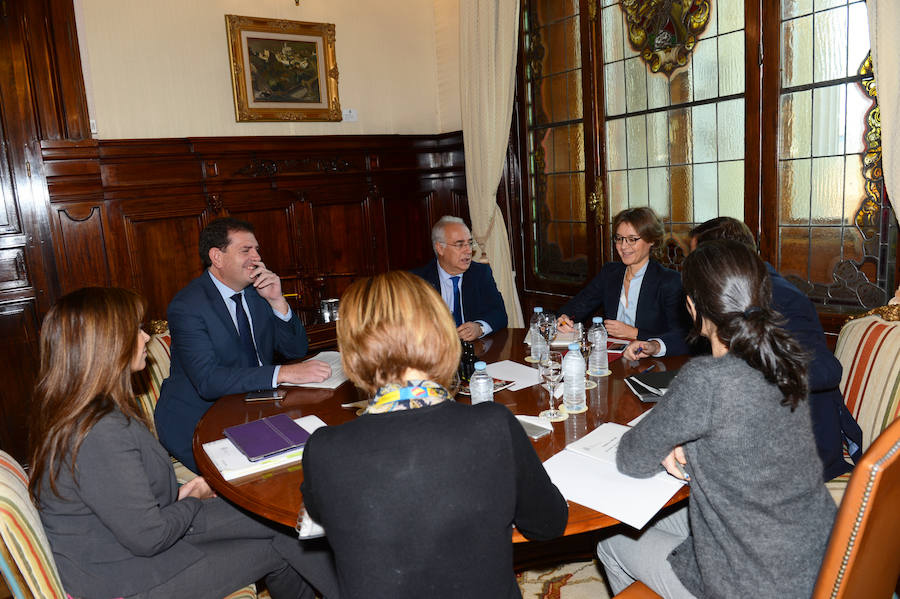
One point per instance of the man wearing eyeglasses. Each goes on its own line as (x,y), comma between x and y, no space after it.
(468,287)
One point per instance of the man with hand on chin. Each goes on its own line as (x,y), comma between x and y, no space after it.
(226,327)
(468,287)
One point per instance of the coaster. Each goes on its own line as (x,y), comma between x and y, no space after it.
(531,360)
(601,374)
(563,408)
(559,418)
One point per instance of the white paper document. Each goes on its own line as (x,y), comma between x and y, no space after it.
(337,378)
(522,375)
(587,474)
(229,460)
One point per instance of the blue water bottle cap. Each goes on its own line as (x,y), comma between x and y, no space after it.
(538,309)
(574,346)
(480,366)
(597,319)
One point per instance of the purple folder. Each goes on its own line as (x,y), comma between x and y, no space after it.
(267,436)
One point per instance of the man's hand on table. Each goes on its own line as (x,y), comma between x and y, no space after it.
(641,349)
(311,371)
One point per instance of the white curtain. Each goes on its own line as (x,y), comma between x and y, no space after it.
(884,24)
(488,40)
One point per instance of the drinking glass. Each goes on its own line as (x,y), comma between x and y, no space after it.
(551,373)
(586,354)
(548,328)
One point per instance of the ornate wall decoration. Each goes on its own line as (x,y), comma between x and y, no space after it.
(665,31)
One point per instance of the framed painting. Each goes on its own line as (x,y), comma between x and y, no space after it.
(283,70)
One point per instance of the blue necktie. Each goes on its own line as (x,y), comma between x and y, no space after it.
(457,305)
(243,324)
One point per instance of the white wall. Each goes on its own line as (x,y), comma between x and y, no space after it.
(160,68)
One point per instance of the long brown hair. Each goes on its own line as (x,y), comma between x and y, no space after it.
(88,340)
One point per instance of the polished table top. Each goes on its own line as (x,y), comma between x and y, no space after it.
(275,494)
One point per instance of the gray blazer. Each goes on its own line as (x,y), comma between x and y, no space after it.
(119,529)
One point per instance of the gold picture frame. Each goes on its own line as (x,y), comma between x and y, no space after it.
(283,70)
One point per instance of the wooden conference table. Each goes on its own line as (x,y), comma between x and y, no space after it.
(275,494)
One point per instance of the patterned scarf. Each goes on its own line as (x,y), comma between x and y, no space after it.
(414,394)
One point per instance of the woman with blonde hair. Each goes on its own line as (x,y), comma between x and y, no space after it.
(418,496)
(117,521)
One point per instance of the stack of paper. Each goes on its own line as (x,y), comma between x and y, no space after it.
(229,460)
(522,376)
(585,472)
(337,378)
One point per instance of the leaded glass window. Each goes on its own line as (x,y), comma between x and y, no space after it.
(835,231)
(555,139)
(675,141)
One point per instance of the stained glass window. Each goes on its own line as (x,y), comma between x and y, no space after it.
(835,231)
(675,141)
(555,138)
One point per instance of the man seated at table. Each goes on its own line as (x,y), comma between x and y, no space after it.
(226,326)
(468,287)
(833,424)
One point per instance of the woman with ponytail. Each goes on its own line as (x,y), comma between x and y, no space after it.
(731,424)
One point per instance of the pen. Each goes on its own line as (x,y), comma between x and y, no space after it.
(648,369)
(681,469)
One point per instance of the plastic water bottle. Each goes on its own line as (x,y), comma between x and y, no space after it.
(598,362)
(481,384)
(573,379)
(539,345)
(536,317)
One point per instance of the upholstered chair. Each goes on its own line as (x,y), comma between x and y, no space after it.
(26,561)
(869,350)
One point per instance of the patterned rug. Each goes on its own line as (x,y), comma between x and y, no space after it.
(575,580)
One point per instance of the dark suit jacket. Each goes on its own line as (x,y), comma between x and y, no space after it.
(207,361)
(661,311)
(481,300)
(413,498)
(832,422)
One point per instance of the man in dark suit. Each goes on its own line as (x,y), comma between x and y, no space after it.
(227,325)
(833,424)
(468,288)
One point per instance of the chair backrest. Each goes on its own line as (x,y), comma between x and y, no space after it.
(149,380)
(869,350)
(26,561)
(863,555)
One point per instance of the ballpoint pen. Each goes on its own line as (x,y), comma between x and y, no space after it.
(648,369)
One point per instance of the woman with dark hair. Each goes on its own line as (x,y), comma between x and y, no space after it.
(641,299)
(117,522)
(418,495)
(760,515)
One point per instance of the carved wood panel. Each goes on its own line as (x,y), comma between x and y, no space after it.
(19,348)
(80,245)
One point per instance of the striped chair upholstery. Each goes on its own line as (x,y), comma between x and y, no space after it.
(26,561)
(869,350)
(149,381)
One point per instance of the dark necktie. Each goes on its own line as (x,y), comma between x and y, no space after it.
(243,325)
(457,305)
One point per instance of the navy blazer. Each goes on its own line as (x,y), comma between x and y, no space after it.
(661,311)
(832,422)
(481,300)
(207,361)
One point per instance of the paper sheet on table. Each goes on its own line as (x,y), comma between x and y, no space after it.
(639,418)
(522,375)
(229,460)
(536,420)
(601,487)
(337,378)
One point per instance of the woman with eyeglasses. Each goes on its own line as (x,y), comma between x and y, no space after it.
(640,299)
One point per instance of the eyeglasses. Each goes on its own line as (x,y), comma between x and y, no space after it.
(462,244)
(629,241)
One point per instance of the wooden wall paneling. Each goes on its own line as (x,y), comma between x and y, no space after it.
(343,235)
(408,216)
(153,246)
(19,347)
(79,240)
(52,48)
